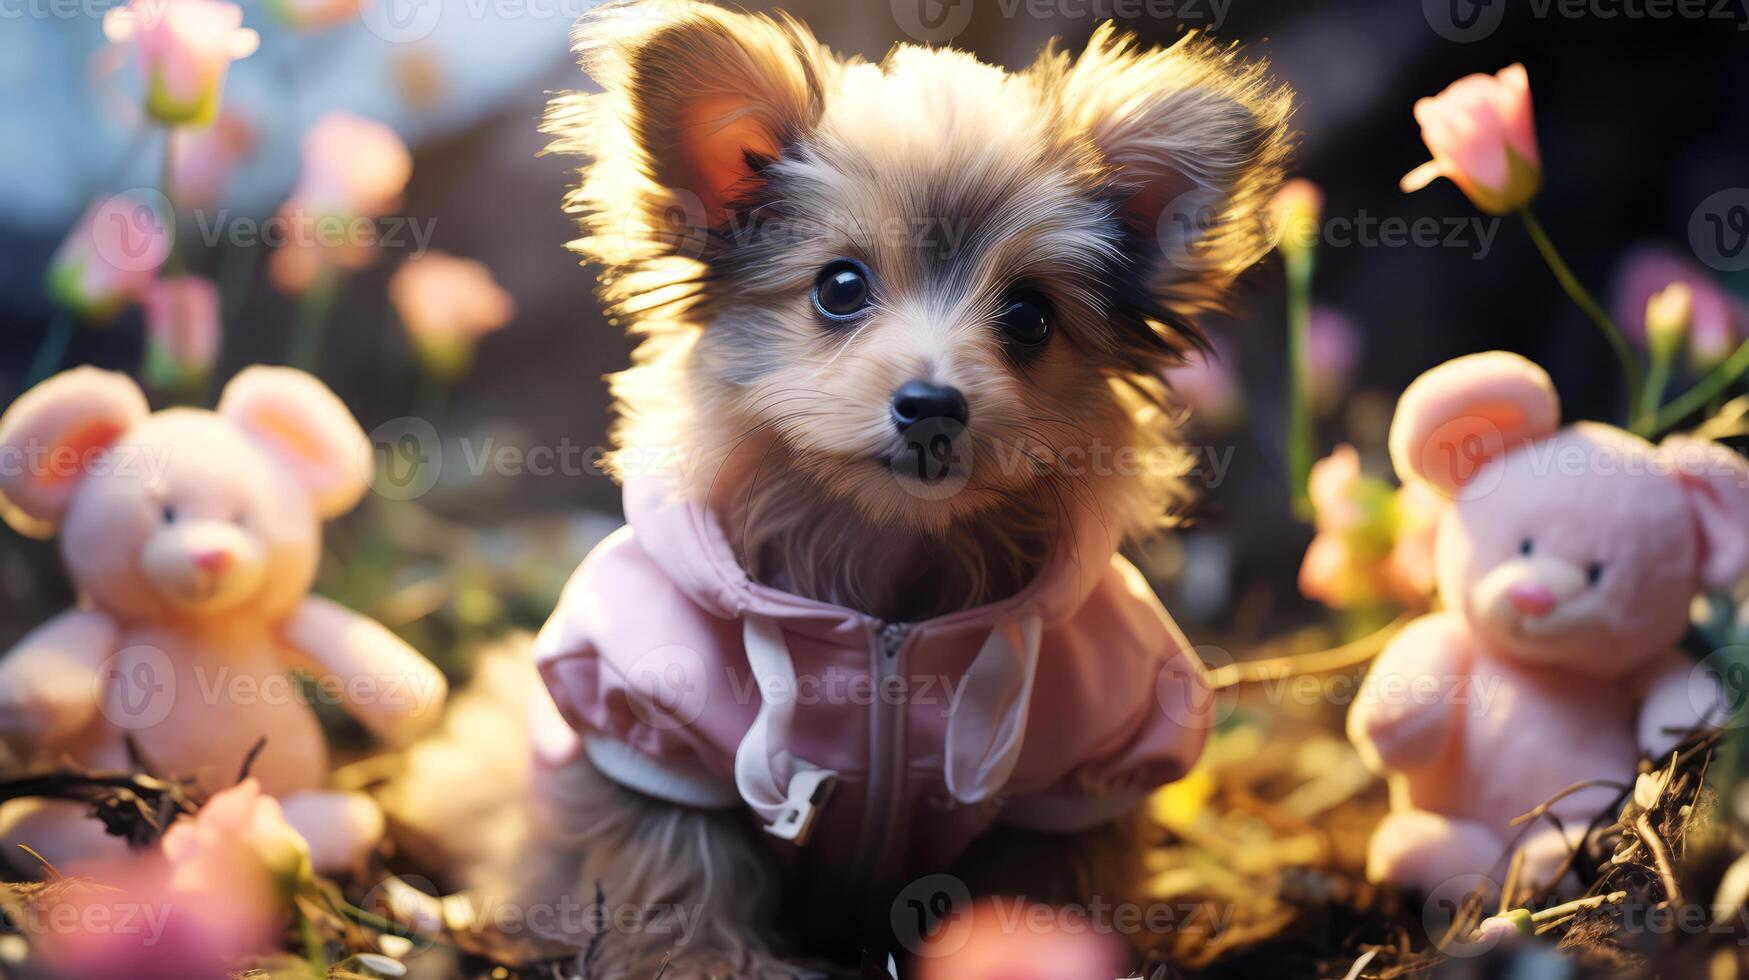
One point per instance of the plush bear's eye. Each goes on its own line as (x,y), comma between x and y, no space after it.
(169,514)
(842,290)
(1594,573)
(1526,546)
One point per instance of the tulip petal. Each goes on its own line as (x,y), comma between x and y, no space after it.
(244,43)
(119,24)
(1421,176)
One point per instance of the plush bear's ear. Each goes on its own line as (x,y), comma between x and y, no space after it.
(52,435)
(1196,141)
(1717,482)
(306,427)
(695,99)
(1457,417)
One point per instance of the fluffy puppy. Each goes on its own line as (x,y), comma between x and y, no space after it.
(903,329)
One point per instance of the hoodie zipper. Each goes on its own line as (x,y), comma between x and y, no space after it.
(886,733)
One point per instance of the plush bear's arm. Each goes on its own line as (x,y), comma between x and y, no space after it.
(392,690)
(48,681)
(1405,713)
(1679,698)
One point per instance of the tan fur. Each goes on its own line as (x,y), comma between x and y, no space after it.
(1125,184)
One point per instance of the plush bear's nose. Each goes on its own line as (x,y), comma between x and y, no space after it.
(212,562)
(918,400)
(1531,599)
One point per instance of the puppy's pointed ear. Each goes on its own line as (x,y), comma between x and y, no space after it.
(1195,140)
(694,100)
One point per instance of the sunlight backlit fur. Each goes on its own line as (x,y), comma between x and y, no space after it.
(1123,184)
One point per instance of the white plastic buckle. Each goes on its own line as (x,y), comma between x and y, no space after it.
(809,789)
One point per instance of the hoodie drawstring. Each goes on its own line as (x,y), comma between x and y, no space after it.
(985,731)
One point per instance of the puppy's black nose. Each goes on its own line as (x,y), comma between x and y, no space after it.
(918,400)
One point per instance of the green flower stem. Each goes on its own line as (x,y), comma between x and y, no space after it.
(1301,440)
(1630,364)
(1712,386)
(1652,395)
(312,322)
(53,348)
(431,398)
(166,186)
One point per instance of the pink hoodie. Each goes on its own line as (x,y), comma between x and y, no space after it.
(870,751)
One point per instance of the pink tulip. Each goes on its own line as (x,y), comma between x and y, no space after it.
(354,169)
(1335,487)
(1009,939)
(1332,354)
(182,331)
(1411,569)
(1483,138)
(185,48)
(126,920)
(447,304)
(1205,383)
(218,889)
(201,160)
(112,253)
(1347,563)
(237,825)
(1718,320)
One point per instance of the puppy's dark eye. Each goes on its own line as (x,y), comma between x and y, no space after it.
(1026,318)
(842,290)
(1594,573)
(1526,546)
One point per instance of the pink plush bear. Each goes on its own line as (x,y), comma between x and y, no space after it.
(193,539)
(1567,562)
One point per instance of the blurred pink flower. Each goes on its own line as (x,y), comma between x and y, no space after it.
(1718,321)
(110,256)
(125,920)
(352,167)
(1334,488)
(1482,134)
(1411,568)
(1353,558)
(1206,384)
(217,890)
(354,170)
(201,160)
(182,331)
(1332,354)
(1010,939)
(447,304)
(185,48)
(239,825)
(313,15)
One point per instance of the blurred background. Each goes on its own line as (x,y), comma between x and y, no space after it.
(1640,121)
